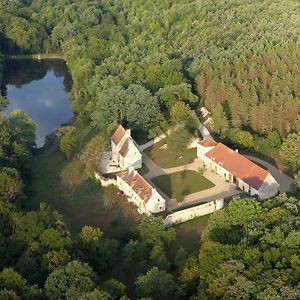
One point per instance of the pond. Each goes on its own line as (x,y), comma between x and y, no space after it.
(39,88)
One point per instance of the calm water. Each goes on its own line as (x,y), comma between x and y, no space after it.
(39,89)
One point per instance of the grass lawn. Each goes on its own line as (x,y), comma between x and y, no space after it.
(184,182)
(188,235)
(167,159)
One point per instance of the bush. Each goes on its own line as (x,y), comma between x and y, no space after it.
(192,124)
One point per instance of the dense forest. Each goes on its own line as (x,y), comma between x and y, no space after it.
(145,64)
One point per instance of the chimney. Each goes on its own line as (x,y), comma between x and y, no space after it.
(237,150)
(128,131)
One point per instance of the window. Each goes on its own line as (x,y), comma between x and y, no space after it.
(158,200)
(159,207)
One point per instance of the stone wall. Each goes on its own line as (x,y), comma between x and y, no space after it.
(105,181)
(187,214)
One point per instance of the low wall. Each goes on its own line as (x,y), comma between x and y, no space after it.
(193,212)
(105,181)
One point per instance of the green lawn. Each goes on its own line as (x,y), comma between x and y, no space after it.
(188,235)
(167,159)
(182,183)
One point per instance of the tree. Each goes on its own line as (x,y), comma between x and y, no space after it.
(240,138)
(67,142)
(110,106)
(179,112)
(192,124)
(3,102)
(56,258)
(11,280)
(274,139)
(96,250)
(178,141)
(158,285)
(74,279)
(135,251)
(143,111)
(114,288)
(171,94)
(153,233)
(290,150)
(10,184)
(22,128)
(92,154)
(219,120)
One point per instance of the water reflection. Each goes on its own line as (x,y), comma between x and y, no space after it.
(40,89)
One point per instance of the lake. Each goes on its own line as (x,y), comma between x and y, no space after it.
(41,90)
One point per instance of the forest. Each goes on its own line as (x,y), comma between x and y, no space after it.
(145,64)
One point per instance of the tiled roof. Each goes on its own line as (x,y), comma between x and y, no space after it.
(137,183)
(118,135)
(124,149)
(238,165)
(207,143)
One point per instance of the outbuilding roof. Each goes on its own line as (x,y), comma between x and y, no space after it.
(118,135)
(238,165)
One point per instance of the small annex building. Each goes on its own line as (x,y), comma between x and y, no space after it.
(237,169)
(125,152)
(140,192)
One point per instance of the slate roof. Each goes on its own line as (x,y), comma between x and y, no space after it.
(238,165)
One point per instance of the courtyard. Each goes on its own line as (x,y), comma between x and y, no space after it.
(179,184)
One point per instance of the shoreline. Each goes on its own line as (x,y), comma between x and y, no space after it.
(33,56)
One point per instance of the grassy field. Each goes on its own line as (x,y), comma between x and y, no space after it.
(185,182)
(67,187)
(167,159)
(189,234)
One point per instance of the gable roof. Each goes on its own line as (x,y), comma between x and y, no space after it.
(118,135)
(124,149)
(238,165)
(207,143)
(137,183)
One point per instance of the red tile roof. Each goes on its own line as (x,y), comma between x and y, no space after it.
(207,143)
(118,135)
(137,183)
(124,149)
(238,165)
